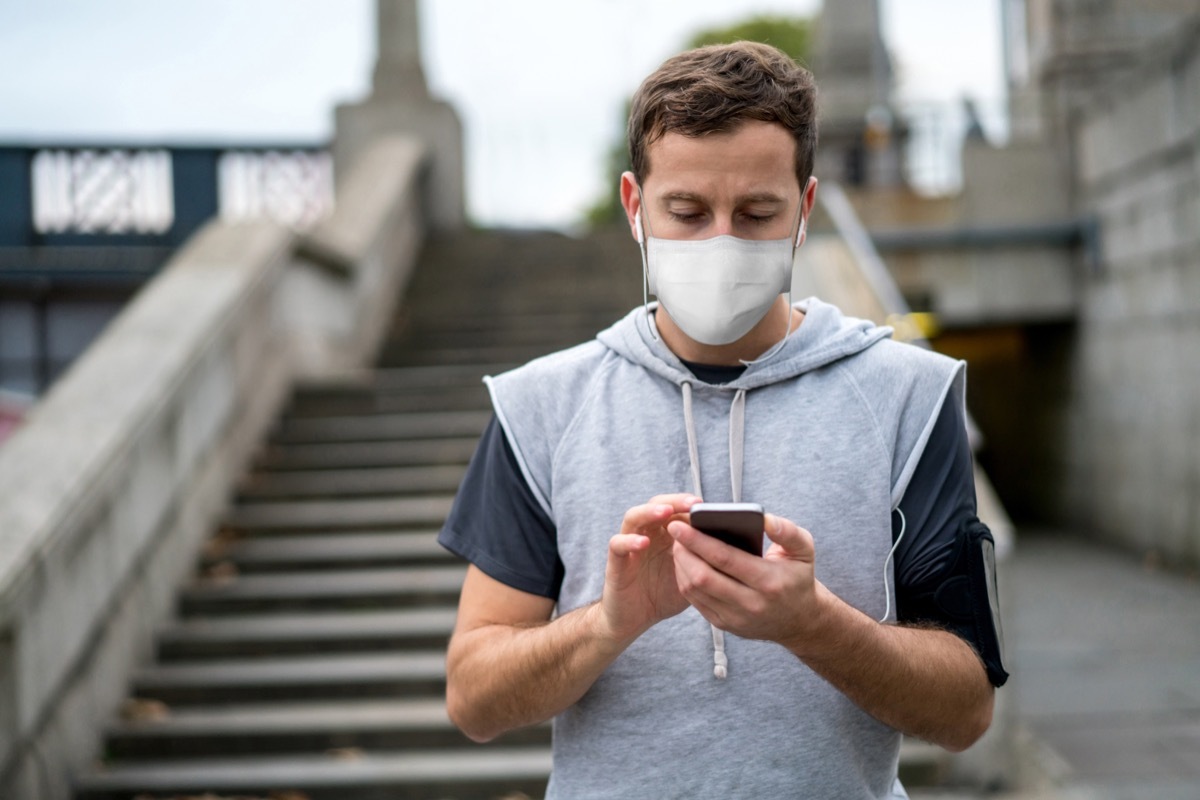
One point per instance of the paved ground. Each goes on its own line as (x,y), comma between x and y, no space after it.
(1106,670)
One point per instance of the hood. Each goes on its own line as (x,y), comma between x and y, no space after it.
(825,336)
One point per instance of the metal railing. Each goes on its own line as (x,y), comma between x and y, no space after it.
(72,194)
(89,224)
(937,131)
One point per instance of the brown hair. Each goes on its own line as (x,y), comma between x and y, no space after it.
(714,89)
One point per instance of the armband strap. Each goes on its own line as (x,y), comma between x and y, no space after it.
(965,600)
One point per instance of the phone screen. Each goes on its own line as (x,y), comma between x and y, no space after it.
(736,524)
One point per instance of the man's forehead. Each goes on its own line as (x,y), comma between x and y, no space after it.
(756,159)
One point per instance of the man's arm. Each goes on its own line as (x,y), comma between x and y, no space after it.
(510,665)
(923,682)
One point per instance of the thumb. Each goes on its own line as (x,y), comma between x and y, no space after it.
(789,540)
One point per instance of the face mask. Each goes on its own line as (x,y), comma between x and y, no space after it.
(717,289)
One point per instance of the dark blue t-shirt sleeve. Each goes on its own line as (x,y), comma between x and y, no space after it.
(940,498)
(497,524)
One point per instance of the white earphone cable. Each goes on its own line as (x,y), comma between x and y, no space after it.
(886,589)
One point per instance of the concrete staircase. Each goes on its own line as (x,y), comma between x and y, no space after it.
(306,661)
(307,656)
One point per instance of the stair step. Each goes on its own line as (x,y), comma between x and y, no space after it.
(415,452)
(436,376)
(493,353)
(332,515)
(547,339)
(556,289)
(394,675)
(299,727)
(320,404)
(473,774)
(380,427)
(519,332)
(333,551)
(269,485)
(340,589)
(265,635)
(424,387)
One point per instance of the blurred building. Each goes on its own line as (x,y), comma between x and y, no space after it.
(1106,96)
(1067,268)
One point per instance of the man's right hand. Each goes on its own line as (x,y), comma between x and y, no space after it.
(640,588)
(510,663)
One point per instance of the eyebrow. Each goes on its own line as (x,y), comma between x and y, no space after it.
(757,197)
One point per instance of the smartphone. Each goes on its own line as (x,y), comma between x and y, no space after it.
(737,524)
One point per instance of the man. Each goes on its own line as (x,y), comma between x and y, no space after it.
(675,665)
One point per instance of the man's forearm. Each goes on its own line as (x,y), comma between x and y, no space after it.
(510,665)
(501,677)
(924,682)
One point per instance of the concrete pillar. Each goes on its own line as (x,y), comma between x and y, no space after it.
(400,103)
(860,137)
(854,71)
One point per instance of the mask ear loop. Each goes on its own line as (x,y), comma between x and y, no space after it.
(795,246)
(641,240)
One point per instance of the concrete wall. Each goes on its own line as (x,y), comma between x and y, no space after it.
(977,286)
(1134,444)
(999,266)
(1017,189)
(127,463)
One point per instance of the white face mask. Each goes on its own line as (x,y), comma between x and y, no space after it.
(717,289)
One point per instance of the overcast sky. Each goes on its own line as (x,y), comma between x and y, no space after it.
(540,84)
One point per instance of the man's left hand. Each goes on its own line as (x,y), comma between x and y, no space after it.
(775,597)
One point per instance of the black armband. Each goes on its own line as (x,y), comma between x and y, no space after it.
(965,600)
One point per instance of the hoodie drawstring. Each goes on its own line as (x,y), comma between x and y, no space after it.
(737,430)
(693,450)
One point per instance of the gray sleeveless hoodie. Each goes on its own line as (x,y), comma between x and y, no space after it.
(827,433)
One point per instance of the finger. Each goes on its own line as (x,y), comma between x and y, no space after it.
(701,583)
(726,558)
(788,539)
(720,599)
(655,513)
(712,614)
(624,544)
(680,501)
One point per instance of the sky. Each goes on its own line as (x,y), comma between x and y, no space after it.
(540,84)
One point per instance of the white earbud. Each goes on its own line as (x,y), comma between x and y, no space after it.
(637,226)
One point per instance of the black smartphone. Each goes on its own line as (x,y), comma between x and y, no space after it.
(737,524)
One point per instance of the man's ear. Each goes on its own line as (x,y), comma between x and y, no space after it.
(807,200)
(631,201)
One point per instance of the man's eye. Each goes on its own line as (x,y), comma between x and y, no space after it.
(760,220)
(679,216)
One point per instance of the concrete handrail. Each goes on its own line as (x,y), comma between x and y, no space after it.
(110,485)
(870,265)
